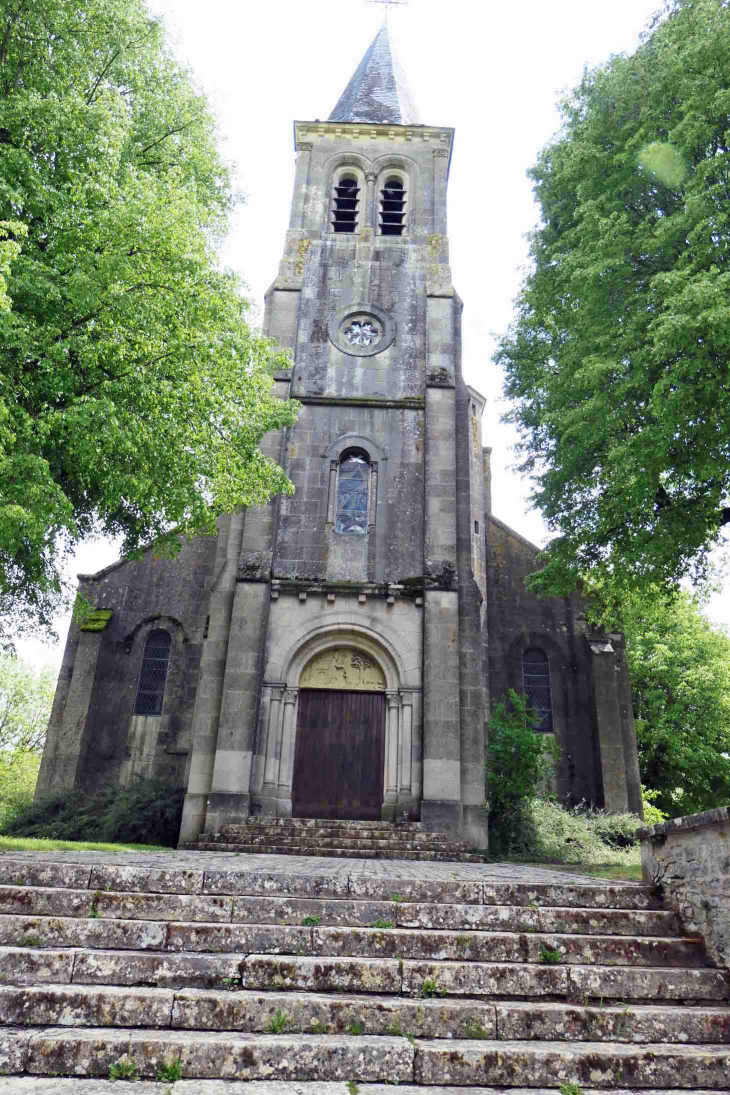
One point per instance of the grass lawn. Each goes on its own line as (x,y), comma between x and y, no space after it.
(32,844)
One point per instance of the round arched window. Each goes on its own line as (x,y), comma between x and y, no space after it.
(153,674)
(353,493)
(537,687)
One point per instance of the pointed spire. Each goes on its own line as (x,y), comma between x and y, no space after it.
(378,91)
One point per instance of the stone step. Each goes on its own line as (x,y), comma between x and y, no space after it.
(245,832)
(57,1051)
(547,1064)
(320,1013)
(315,849)
(357,884)
(382,942)
(43,1085)
(333,839)
(412,978)
(46,901)
(385,976)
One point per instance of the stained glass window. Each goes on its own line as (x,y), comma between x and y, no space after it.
(537,687)
(353,488)
(152,677)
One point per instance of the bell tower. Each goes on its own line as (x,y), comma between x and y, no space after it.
(379,554)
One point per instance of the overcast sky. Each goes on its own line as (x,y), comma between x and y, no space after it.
(495,71)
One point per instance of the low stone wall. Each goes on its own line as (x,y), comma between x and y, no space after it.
(689,858)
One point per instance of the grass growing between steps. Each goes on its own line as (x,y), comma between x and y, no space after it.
(32,844)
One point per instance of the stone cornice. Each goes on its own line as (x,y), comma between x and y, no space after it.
(439,137)
(411,403)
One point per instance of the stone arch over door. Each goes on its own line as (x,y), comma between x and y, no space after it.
(321,659)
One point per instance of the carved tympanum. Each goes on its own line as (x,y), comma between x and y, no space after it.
(343,668)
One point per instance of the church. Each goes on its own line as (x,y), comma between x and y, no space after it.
(334,654)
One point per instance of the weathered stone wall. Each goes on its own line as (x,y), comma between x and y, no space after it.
(307,547)
(518,620)
(93,737)
(688,858)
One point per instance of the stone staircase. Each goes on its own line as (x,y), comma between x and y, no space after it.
(310,977)
(335,839)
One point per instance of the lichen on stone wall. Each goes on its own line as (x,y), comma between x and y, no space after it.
(440,574)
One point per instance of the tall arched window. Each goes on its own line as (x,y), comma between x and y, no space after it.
(537,687)
(347,197)
(393,208)
(353,493)
(153,674)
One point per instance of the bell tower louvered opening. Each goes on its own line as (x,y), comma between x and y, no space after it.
(347,199)
(393,208)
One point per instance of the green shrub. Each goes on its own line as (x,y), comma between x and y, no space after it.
(615,830)
(518,759)
(146,812)
(563,834)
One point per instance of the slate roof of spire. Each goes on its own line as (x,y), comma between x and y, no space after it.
(378,92)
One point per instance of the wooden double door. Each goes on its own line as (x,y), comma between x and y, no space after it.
(340,755)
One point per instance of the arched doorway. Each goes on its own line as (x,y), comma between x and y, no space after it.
(340,742)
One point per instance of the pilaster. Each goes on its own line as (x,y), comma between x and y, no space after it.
(609,723)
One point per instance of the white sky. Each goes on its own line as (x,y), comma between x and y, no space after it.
(493,70)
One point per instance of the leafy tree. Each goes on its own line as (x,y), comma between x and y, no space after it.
(25,706)
(619,356)
(680,670)
(133,393)
(516,768)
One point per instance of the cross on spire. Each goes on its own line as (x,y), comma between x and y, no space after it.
(388,4)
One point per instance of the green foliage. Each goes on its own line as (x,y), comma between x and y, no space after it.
(554,833)
(318,1027)
(18,777)
(146,812)
(680,673)
(383,924)
(571,1089)
(133,393)
(516,767)
(550,956)
(26,696)
(652,814)
(356,1027)
(618,358)
(311,921)
(124,1069)
(278,1023)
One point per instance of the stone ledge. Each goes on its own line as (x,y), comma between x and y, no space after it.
(688,824)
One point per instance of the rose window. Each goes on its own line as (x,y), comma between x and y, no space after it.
(362,332)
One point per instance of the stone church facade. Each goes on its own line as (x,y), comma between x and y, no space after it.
(335,653)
